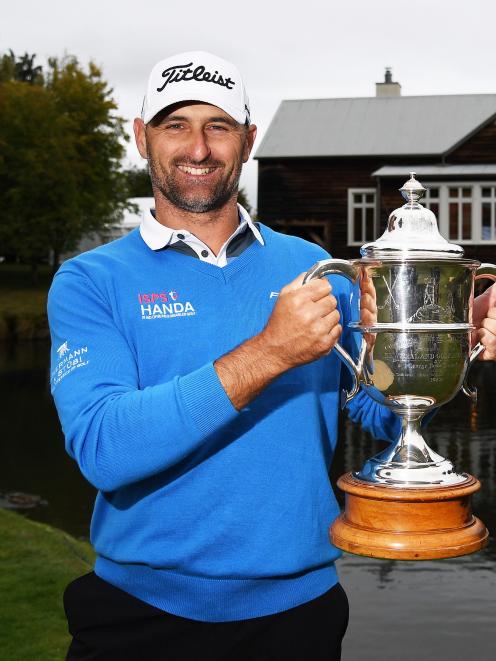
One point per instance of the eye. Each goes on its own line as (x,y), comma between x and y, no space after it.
(175,126)
(217,127)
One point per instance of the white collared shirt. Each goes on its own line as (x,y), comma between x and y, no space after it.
(158,236)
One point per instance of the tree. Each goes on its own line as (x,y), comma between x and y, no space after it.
(138,182)
(22,68)
(60,151)
(243,200)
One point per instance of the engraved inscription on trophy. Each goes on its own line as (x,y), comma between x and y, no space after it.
(419,296)
(389,302)
(431,310)
(414,357)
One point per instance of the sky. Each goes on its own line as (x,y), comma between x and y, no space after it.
(310,49)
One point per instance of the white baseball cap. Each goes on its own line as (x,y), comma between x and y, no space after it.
(196,76)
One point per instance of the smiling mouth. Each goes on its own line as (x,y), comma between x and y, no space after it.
(187,169)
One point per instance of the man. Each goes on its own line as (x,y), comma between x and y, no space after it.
(197,392)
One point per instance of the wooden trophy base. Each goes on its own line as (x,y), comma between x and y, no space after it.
(408,524)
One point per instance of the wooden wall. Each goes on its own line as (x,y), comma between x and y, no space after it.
(309,197)
(480,148)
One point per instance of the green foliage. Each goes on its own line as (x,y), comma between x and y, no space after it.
(138,182)
(22,306)
(7,67)
(243,200)
(60,150)
(22,69)
(37,562)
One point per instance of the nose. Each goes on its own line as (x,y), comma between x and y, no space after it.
(198,148)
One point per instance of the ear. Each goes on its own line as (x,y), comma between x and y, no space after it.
(251,134)
(140,137)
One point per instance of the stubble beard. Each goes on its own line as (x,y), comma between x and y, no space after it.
(202,201)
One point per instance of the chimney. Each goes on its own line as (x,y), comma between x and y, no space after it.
(388,87)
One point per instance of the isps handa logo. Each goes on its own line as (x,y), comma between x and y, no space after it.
(164,305)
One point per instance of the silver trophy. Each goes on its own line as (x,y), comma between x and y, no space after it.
(415,334)
(413,339)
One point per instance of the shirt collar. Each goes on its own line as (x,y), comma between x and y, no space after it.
(157,236)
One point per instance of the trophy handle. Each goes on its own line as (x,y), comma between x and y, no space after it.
(487,271)
(346,269)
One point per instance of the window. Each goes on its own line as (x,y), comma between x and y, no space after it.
(488,203)
(466,211)
(431,199)
(361,215)
(460,213)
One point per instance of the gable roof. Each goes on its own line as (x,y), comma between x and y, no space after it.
(375,126)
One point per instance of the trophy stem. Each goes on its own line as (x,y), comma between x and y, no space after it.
(410,461)
(411,449)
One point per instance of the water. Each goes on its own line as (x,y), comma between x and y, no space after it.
(32,454)
(410,610)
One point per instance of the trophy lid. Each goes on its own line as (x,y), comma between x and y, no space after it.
(412,230)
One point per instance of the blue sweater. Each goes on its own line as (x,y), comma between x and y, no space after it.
(202,511)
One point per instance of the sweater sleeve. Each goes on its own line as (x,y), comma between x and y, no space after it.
(377,419)
(380,421)
(117,432)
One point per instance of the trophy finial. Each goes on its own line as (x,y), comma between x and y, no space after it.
(412,190)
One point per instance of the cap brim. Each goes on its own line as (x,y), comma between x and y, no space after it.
(203,98)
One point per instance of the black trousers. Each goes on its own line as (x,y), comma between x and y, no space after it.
(108,624)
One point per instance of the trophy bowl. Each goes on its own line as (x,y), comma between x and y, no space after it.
(414,349)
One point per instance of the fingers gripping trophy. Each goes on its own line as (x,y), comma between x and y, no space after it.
(414,333)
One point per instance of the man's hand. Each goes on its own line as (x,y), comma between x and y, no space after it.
(304,325)
(484,320)
(368,307)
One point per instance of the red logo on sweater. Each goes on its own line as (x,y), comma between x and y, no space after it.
(162,297)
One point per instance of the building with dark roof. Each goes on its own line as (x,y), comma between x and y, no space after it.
(330,169)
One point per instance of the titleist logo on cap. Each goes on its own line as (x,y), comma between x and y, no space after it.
(180,72)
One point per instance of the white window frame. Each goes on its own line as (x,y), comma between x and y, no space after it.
(459,200)
(475,199)
(492,201)
(365,205)
(427,200)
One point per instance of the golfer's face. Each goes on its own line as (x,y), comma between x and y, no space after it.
(195,152)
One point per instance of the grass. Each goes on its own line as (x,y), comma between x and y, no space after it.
(36,563)
(22,304)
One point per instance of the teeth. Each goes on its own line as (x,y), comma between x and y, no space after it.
(190,170)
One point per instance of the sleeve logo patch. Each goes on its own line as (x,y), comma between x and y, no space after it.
(69,361)
(164,305)
(63,349)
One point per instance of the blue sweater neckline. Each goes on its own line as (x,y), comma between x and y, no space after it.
(219,272)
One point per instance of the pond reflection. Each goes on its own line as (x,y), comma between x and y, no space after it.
(32,455)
